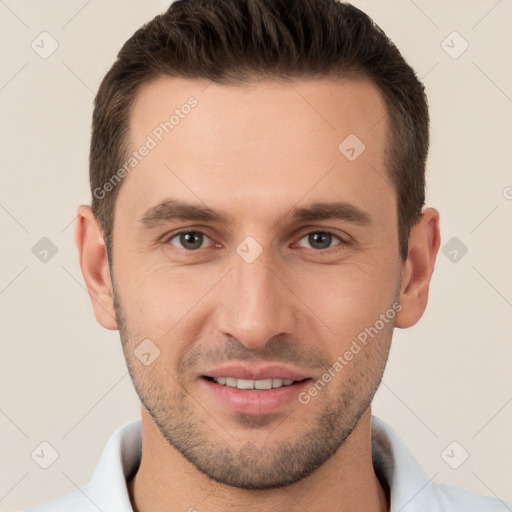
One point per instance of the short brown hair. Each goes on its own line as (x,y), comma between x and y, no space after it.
(239,41)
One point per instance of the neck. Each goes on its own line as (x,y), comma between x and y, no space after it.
(346,482)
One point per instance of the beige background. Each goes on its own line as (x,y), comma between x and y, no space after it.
(63,378)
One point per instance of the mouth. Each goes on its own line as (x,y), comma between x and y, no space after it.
(253,390)
(253,385)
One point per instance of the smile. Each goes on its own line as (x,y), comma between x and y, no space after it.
(248,384)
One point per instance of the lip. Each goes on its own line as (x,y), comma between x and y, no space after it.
(261,372)
(253,402)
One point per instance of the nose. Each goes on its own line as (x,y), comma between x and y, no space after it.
(256,304)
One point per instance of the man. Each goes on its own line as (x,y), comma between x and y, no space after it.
(256,233)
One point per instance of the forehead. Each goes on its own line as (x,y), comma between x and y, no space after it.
(259,144)
(322,105)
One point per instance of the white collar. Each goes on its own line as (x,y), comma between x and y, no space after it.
(411,490)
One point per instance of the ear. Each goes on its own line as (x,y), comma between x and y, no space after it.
(92,253)
(424,240)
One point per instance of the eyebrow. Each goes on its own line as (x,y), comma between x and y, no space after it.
(172,209)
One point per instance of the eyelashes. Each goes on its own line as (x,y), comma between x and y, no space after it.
(329,235)
(185,235)
(192,240)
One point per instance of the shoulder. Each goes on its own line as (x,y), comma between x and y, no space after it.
(411,489)
(450,498)
(107,489)
(72,502)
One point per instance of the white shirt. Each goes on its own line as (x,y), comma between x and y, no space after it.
(410,488)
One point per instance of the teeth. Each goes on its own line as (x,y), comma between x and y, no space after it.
(263,384)
(245,384)
(231,382)
(252,384)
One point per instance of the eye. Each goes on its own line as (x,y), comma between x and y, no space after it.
(320,239)
(188,240)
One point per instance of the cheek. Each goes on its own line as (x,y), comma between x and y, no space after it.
(163,307)
(347,298)
(340,300)
(159,299)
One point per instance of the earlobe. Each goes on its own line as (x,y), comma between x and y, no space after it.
(92,253)
(424,241)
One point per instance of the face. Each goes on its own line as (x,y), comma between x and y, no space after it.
(249,250)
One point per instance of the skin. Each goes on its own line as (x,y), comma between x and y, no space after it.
(255,153)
